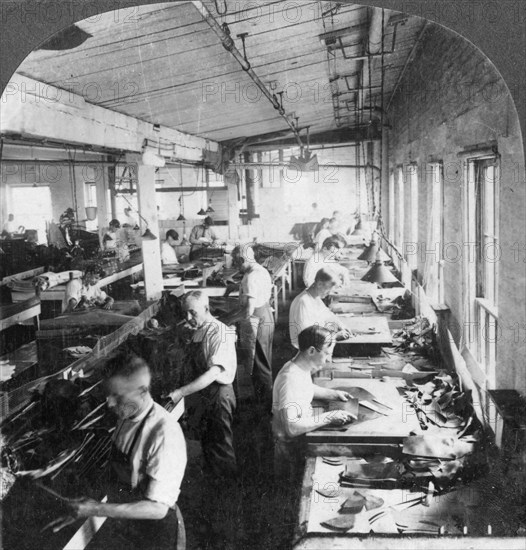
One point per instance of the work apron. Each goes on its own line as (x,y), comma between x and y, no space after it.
(213,410)
(255,343)
(136,534)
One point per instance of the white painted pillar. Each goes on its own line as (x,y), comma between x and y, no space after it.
(103,219)
(151,250)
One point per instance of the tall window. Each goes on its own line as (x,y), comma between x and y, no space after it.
(400,209)
(434,257)
(411,246)
(391,205)
(481,263)
(31,207)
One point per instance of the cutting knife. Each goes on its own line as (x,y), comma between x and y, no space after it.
(369,405)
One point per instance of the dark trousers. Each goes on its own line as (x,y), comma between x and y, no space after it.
(262,372)
(217,438)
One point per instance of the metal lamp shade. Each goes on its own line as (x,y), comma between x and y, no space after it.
(201,213)
(374,253)
(148,235)
(181,218)
(379,274)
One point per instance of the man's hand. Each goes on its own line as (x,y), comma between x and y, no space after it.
(108,304)
(79,508)
(176,396)
(339,418)
(340,395)
(343,334)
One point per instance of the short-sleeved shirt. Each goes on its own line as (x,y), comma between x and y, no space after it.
(219,348)
(78,290)
(168,255)
(293,391)
(159,456)
(256,284)
(306,311)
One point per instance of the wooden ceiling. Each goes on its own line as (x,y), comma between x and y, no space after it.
(163,64)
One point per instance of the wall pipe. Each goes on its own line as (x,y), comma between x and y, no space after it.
(228,44)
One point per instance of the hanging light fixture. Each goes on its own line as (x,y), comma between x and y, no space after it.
(181,218)
(209,210)
(201,212)
(148,235)
(374,252)
(379,274)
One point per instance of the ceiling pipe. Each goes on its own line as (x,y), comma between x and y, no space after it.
(373,48)
(229,45)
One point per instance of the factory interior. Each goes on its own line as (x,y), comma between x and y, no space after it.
(215,211)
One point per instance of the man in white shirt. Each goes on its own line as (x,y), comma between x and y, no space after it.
(214,346)
(292,395)
(256,323)
(147,461)
(168,255)
(10,224)
(85,293)
(329,254)
(308,308)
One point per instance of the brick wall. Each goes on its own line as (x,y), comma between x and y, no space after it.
(452,98)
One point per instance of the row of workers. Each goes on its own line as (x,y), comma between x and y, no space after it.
(149,455)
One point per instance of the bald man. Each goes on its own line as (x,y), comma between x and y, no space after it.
(147,464)
(214,347)
(256,323)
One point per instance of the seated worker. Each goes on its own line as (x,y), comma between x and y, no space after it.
(10,225)
(215,353)
(202,236)
(168,255)
(308,308)
(256,323)
(325,234)
(329,254)
(292,396)
(114,239)
(84,293)
(321,231)
(147,464)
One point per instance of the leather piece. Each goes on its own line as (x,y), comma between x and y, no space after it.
(341,523)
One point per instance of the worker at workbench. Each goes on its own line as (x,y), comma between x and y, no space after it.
(292,396)
(85,292)
(147,464)
(329,254)
(308,308)
(168,255)
(256,322)
(202,236)
(215,355)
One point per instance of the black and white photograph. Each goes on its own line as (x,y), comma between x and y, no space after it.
(262,274)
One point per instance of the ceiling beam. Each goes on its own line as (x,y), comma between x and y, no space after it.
(344,135)
(41,111)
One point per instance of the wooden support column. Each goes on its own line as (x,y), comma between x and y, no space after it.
(151,250)
(103,218)
(251,188)
(231,179)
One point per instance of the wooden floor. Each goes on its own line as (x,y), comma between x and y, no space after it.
(256,514)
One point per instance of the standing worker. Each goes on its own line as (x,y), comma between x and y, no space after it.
(214,348)
(257,322)
(148,459)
